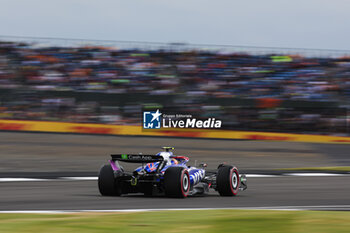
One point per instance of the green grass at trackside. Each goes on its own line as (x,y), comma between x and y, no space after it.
(321,169)
(181,221)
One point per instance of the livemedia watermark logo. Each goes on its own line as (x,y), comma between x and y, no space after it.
(157,120)
(152,120)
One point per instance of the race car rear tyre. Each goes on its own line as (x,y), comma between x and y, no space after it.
(148,190)
(106,182)
(227,181)
(176,182)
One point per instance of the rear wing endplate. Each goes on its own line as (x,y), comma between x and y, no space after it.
(134,158)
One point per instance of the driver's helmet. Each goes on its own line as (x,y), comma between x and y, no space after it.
(174,161)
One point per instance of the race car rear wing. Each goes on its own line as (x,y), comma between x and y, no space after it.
(134,158)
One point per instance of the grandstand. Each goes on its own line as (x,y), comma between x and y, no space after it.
(249,88)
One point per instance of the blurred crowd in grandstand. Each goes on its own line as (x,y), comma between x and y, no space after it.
(195,76)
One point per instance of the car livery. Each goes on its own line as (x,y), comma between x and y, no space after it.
(167,174)
(196,175)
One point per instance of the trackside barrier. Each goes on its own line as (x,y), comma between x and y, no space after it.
(83,128)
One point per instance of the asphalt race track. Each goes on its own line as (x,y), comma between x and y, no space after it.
(47,156)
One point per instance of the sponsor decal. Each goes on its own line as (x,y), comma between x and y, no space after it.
(12,126)
(268,137)
(92,130)
(341,140)
(197,176)
(140,157)
(157,120)
(182,134)
(124,156)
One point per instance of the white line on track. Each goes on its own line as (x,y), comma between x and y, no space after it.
(260,176)
(21,179)
(314,174)
(284,208)
(80,178)
(92,178)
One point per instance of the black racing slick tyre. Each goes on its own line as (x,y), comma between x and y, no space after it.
(227,181)
(176,182)
(148,190)
(106,182)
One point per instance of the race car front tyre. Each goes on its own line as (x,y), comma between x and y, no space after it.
(106,182)
(176,182)
(227,181)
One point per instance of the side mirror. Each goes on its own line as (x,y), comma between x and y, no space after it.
(203,165)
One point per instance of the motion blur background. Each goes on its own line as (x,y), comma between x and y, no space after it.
(238,61)
(269,88)
(110,82)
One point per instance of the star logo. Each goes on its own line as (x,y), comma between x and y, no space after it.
(152,120)
(156,115)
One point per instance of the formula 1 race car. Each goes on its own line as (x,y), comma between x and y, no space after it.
(165,173)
